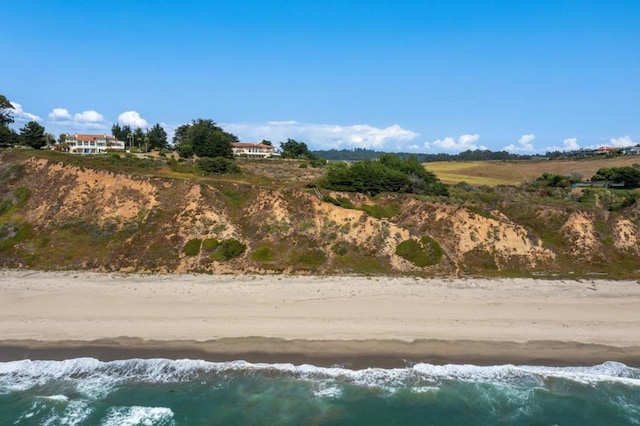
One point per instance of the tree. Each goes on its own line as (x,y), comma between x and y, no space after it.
(8,136)
(6,113)
(138,136)
(554,180)
(49,139)
(266,142)
(121,132)
(203,138)
(389,174)
(217,166)
(294,149)
(157,137)
(628,175)
(33,135)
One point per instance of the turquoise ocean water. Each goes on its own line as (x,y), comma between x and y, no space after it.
(86,391)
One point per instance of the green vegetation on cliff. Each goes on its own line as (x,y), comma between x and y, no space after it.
(125,213)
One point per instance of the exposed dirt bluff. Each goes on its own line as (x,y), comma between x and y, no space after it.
(79,218)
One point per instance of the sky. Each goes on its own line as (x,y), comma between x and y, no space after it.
(423,76)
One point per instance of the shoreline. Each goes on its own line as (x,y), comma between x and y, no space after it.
(352,321)
(348,354)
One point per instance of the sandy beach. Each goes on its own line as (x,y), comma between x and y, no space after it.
(353,320)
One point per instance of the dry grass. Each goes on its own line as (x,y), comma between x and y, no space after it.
(493,173)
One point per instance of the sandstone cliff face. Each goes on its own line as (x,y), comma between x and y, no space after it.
(82,218)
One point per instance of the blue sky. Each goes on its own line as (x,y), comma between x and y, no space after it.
(405,75)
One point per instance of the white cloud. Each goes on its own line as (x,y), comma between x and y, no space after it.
(324,136)
(60,114)
(21,115)
(569,144)
(449,144)
(526,139)
(62,120)
(623,141)
(133,119)
(90,119)
(524,144)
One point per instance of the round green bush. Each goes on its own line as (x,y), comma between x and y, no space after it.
(192,248)
(426,252)
(210,244)
(232,248)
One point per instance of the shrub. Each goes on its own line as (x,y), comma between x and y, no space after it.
(21,194)
(217,166)
(554,180)
(262,254)
(210,244)
(192,248)
(379,212)
(5,206)
(185,150)
(340,202)
(12,234)
(628,175)
(318,163)
(232,248)
(426,252)
(310,258)
(340,248)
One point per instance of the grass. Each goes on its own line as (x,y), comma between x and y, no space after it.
(235,197)
(494,173)
(357,262)
(13,233)
(263,253)
(308,259)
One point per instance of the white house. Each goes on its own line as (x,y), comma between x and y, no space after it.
(253,150)
(93,144)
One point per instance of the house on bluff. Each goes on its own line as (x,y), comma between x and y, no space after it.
(253,150)
(93,144)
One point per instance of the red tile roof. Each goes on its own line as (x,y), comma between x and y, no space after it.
(249,145)
(87,137)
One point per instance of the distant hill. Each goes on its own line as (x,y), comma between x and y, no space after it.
(358,154)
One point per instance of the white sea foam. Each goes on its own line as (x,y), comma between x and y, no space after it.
(76,413)
(425,389)
(139,416)
(326,390)
(94,379)
(56,397)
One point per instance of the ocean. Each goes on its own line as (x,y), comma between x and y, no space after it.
(85,391)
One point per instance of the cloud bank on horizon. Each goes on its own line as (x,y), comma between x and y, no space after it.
(393,138)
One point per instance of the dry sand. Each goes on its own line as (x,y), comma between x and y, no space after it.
(351,320)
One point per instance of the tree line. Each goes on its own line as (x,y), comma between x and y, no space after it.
(359,154)
(627,176)
(31,134)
